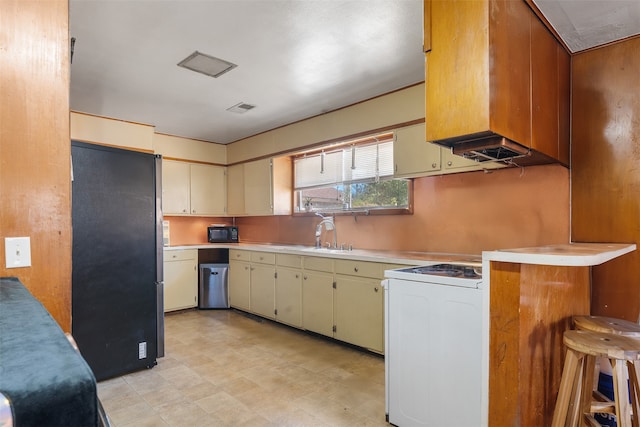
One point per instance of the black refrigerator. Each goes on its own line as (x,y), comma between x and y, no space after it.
(117,288)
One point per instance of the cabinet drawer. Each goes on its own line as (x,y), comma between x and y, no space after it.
(359,268)
(318,264)
(263,257)
(239,255)
(180,255)
(287,260)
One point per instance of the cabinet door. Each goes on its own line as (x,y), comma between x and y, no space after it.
(175,188)
(240,284)
(359,312)
(263,290)
(180,284)
(235,190)
(412,155)
(258,187)
(317,302)
(289,296)
(208,190)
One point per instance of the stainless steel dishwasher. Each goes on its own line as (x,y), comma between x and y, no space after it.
(214,290)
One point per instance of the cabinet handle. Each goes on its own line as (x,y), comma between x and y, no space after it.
(184,211)
(355,269)
(433,165)
(297,276)
(304,277)
(375,289)
(449,163)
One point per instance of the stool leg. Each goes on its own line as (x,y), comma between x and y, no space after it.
(586,387)
(634,388)
(568,384)
(621,393)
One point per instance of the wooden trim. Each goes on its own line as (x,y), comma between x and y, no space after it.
(111,118)
(547,24)
(615,42)
(191,139)
(177,159)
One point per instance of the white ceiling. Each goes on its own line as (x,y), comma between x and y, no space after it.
(583,24)
(296,58)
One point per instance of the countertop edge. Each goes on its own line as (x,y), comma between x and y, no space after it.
(397,257)
(562,255)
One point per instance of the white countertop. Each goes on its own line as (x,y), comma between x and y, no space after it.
(570,254)
(390,257)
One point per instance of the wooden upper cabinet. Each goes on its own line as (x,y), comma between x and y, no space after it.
(494,67)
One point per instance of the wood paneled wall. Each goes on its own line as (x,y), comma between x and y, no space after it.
(606,168)
(35,186)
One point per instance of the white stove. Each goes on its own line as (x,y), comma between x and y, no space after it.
(466,275)
(436,345)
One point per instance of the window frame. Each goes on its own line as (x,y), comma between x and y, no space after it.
(381,137)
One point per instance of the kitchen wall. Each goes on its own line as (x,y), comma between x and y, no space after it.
(461,213)
(35,170)
(605,168)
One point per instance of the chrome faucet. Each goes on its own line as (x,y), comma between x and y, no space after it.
(328,225)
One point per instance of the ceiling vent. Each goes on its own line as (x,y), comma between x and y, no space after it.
(206,64)
(241,108)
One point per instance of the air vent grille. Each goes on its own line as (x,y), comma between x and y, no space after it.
(241,108)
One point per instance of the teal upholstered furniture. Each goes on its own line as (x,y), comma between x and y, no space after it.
(47,382)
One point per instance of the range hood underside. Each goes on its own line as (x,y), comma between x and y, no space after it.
(489,146)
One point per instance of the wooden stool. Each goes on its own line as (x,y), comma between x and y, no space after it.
(607,324)
(574,406)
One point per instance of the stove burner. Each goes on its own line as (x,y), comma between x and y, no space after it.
(450,270)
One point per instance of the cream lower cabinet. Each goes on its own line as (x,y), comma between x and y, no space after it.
(263,284)
(288,298)
(180,279)
(359,304)
(317,295)
(240,279)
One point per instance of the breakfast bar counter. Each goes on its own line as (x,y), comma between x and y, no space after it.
(533,295)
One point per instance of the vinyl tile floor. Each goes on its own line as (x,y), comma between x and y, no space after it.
(226,368)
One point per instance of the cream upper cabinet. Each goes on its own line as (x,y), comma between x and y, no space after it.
(208,190)
(413,156)
(235,190)
(258,188)
(175,188)
(193,189)
(268,187)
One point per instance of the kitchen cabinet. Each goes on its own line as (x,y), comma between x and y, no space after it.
(288,296)
(268,186)
(504,74)
(240,279)
(359,304)
(193,189)
(317,295)
(180,279)
(263,276)
(412,154)
(235,190)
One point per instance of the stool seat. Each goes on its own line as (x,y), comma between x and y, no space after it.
(607,324)
(575,405)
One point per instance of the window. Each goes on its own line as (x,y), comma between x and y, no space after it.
(354,176)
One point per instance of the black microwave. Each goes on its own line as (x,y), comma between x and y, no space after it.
(222,234)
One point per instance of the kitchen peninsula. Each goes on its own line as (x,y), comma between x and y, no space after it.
(534,292)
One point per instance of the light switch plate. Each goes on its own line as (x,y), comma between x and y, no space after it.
(17,252)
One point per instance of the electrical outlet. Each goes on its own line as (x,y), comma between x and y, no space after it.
(142,350)
(17,251)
